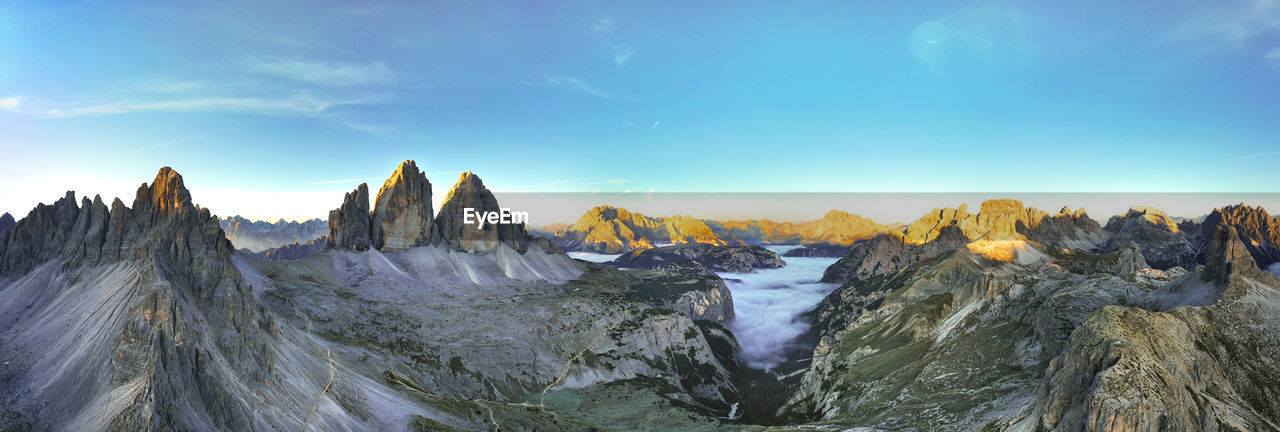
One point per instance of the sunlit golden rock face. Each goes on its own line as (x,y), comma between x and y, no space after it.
(614,230)
(166,193)
(1153,216)
(836,227)
(1010,251)
(402,216)
(998,219)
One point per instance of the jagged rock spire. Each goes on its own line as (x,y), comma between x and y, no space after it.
(349,224)
(5,221)
(162,218)
(402,215)
(1228,256)
(470,193)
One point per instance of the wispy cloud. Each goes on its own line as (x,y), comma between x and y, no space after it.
(1272,58)
(9,103)
(577,85)
(1233,23)
(354,180)
(334,74)
(1256,155)
(301,103)
(622,54)
(603,24)
(977,36)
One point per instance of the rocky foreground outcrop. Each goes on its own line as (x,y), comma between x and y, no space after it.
(1064,340)
(731,259)
(258,236)
(402,216)
(1195,369)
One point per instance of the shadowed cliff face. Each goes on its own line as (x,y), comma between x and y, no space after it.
(349,224)
(469,193)
(1259,232)
(1162,242)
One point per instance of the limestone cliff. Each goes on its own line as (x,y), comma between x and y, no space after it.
(998,219)
(349,224)
(1258,231)
(5,221)
(469,193)
(402,216)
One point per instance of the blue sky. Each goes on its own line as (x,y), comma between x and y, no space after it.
(273,109)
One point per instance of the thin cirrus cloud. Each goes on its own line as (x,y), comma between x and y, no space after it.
(308,89)
(333,74)
(1232,23)
(577,85)
(294,104)
(983,37)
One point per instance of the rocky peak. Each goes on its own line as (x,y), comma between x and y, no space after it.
(1161,241)
(349,224)
(1146,215)
(5,221)
(470,193)
(1228,256)
(166,194)
(997,219)
(162,223)
(1259,231)
(403,217)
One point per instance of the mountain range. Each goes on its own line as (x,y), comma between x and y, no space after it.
(611,230)
(146,316)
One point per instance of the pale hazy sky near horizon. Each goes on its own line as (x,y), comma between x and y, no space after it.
(274,109)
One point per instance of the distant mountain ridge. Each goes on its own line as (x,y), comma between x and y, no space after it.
(258,236)
(607,229)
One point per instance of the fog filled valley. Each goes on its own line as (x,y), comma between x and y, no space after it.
(391,314)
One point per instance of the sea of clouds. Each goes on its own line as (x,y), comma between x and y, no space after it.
(768,304)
